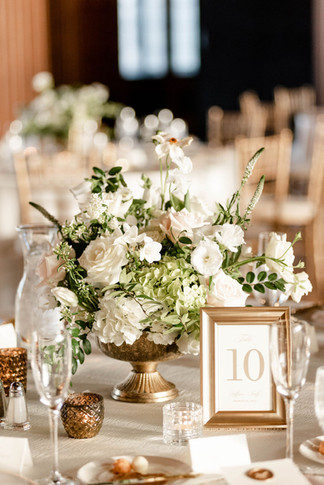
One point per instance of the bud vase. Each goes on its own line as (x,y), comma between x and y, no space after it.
(36,240)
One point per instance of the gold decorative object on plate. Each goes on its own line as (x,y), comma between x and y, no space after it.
(13,367)
(144,384)
(82,414)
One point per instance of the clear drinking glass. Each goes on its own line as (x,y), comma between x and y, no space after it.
(319,396)
(289,353)
(181,422)
(37,240)
(270,297)
(51,364)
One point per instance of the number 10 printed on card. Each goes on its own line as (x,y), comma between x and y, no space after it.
(237,389)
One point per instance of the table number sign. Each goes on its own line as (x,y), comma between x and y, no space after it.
(237,389)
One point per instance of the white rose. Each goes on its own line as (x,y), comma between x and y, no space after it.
(178,224)
(188,344)
(118,321)
(103,260)
(226,292)
(231,236)
(65,296)
(206,258)
(299,287)
(282,250)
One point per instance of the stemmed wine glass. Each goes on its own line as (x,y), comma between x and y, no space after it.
(319,396)
(51,364)
(289,354)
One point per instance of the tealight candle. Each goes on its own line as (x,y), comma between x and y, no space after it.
(181,422)
(82,414)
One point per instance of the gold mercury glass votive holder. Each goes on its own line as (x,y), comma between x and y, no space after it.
(13,367)
(82,414)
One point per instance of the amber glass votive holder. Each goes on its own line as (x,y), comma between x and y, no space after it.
(82,414)
(13,367)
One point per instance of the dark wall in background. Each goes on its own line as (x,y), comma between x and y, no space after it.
(246,44)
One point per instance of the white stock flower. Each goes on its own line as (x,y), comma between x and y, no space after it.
(226,292)
(151,251)
(230,235)
(299,287)
(188,344)
(118,321)
(151,196)
(281,250)
(180,185)
(82,194)
(103,260)
(206,258)
(65,296)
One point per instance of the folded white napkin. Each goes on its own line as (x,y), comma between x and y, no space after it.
(284,472)
(15,455)
(209,454)
(8,336)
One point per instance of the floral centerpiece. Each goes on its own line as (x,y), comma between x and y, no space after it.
(56,109)
(129,266)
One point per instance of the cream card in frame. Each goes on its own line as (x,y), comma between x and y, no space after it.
(237,389)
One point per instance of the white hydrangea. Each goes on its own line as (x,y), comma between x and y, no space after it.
(119,321)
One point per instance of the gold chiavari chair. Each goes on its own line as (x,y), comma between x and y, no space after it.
(304,213)
(46,180)
(274,164)
(289,101)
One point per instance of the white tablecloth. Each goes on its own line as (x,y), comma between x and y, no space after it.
(133,429)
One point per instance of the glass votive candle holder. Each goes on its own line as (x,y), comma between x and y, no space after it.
(82,414)
(181,422)
(13,367)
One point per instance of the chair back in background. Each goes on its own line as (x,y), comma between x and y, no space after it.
(46,180)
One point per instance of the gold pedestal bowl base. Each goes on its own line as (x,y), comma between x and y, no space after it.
(144,384)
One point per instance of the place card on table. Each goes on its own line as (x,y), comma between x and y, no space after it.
(275,472)
(15,455)
(8,336)
(209,454)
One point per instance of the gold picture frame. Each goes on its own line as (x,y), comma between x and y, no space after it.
(235,393)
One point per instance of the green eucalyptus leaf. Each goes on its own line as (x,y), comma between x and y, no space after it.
(74,365)
(270,285)
(87,346)
(272,276)
(250,277)
(262,276)
(247,288)
(185,240)
(260,288)
(115,170)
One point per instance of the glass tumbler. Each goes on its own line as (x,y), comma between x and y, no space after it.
(181,422)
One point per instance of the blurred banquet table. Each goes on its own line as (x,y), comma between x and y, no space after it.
(214,178)
(133,429)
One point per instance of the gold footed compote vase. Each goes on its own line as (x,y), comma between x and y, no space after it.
(144,384)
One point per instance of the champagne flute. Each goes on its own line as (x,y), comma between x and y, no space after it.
(319,396)
(289,355)
(51,364)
